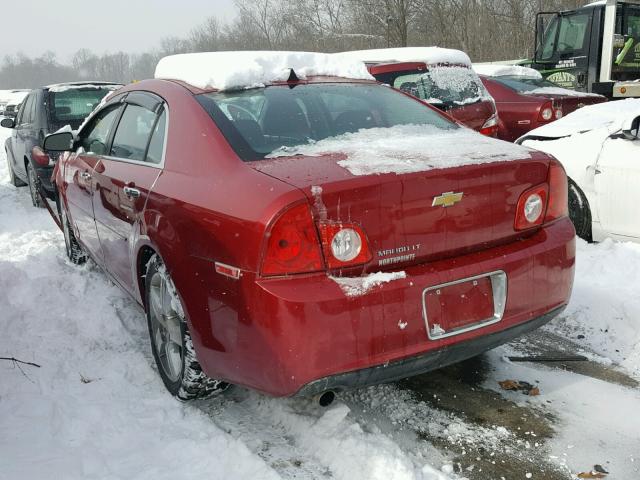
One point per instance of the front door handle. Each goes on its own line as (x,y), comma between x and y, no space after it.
(131,192)
(85,175)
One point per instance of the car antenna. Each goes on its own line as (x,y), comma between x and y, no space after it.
(293,78)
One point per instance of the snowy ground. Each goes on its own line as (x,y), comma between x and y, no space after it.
(96,408)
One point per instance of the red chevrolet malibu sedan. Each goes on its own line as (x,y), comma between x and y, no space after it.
(526,101)
(290,225)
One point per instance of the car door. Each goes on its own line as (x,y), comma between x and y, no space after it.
(617,184)
(125,179)
(24,123)
(80,172)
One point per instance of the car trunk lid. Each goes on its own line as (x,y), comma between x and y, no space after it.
(415,217)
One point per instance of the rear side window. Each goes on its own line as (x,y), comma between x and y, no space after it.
(133,133)
(259,121)
(156,145)
(71,106)
(94,137)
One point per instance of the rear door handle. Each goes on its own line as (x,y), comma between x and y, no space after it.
(131,192)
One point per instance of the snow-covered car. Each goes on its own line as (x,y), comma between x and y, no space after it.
(293,226)
(14,101)
(526,101)
(600,150)
(442,77)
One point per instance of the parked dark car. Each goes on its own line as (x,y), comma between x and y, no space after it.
(46,110)
(298,273)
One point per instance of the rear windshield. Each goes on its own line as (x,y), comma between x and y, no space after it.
(449,85)
(523,84)
(71,106)
(259,121)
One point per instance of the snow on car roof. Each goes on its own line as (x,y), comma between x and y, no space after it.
(428,55)
(63,87)
(497,70)
(609,115)
(251,69)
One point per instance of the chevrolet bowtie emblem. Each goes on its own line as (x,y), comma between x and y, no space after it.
(447,199)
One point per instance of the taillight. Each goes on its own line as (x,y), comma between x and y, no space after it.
(531,208)
(545,202)
(558,192)
(39,156)
(546,112)
(292,244)
(344,244)
(490,127)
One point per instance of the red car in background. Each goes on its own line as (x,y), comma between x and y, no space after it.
(317,233)
(526,101)
(439,76)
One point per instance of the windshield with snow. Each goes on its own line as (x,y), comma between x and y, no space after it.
(260,121)
(71,106)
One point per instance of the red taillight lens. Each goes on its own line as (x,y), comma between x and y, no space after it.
(546,112)
(490,127)
(344,244)
(531,208)
(292,244)
(38,156)
(558,192)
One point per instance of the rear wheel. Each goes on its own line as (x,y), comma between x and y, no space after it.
(579,212)
(171,342)
(75,253)
(34,183)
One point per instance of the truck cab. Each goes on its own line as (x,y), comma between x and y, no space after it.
(595,48)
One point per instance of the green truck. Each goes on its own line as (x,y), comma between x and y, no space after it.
(595,48)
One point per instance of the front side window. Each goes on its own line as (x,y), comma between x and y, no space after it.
(259,121)
(133,133)
(24,114)
(566,36)
(95,135)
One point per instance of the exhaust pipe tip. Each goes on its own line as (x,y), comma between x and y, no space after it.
(326,398)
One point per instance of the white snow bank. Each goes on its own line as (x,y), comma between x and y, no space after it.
(566,92)
(428,55)
(356,286)
(251,69)
(608,115)
(409,149)
(605,305)
(493,70)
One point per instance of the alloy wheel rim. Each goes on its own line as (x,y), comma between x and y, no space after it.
(65,231)
(166,333)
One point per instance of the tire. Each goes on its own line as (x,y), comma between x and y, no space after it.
(171,342)
(34,183)
(15,181)
(75,253)
(579,212)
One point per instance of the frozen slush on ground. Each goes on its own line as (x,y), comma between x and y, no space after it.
(238,70)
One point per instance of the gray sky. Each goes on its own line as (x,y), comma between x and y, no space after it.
(64,26)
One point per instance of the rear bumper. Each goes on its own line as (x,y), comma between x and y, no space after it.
(427,362)
(300,335)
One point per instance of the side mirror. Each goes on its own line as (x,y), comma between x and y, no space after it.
(8,123)
(58,142)
(630,129)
